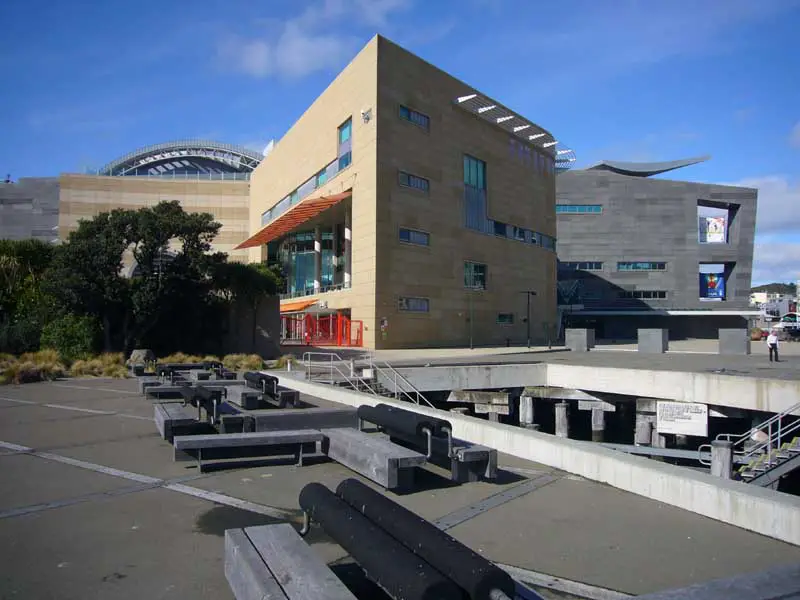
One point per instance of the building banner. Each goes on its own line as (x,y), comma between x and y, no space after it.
(712,286)
(682,418)
(713,230)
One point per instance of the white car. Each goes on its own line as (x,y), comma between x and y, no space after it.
(787,321)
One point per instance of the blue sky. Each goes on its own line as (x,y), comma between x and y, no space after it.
(88,80)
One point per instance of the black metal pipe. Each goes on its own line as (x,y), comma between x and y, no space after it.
(390,417)
(400,572)
(474,574)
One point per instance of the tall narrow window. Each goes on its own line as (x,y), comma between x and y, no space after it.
(345,144)
(475,211)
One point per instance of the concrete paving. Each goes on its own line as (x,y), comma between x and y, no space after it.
(92,506)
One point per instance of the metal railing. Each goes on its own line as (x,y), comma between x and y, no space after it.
(403,388)
(398,377)
(761,439)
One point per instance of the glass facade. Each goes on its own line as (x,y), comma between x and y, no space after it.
(581,265)
(345,144)
(644,295)
(296,253)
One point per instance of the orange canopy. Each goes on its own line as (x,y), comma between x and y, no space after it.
(297,306)
(297,215)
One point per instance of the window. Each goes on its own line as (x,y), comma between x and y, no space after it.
(407,304)
(641,266)
(344,131)
(322,177)
(412,181)
(345,144)
(579,209)
(643,295)
(500,229)
(412,236)
(713,222)
(266,217)
(713,279)
(548,242)
(415,117)
(474,172)
(505,318)
(581,266)
(518,233)
(475,275)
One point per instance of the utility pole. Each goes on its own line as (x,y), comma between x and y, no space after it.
(528,294)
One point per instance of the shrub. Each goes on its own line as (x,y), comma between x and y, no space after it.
(181,357)
(105,365)
(20,335)
(27,371)
(756,333)
(284,360)
(243,362)
(73,336)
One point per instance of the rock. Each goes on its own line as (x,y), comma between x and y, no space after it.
(141,356)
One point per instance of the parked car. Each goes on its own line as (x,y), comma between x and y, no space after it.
(787,322)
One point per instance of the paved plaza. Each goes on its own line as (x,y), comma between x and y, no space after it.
(92,506)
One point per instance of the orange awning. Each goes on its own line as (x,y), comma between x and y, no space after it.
(297,215)
(297,305)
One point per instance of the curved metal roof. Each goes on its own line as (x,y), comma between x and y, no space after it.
(185,156)
(646,169)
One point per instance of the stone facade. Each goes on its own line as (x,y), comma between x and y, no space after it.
(377,82)
(653,220)
(29,209)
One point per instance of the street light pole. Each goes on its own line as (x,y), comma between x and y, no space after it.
(528,294)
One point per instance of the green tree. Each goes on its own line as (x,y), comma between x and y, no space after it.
(245,285)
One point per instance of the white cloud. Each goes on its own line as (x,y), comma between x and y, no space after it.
(777,249)
(778,204)
(302,45)
(776,262)
(794,136)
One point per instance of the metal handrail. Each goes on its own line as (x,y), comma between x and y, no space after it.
(331,356)
(403,379)
(773,427)
(333,367)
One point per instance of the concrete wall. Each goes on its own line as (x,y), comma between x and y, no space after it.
(647,219)
(29,209)
(85,196)
(516,194)
(747,506)
(751,393)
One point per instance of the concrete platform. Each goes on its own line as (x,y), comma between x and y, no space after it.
(121,521)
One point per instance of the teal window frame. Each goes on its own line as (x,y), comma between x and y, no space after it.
(476,275)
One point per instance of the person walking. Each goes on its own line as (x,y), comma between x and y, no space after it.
(772,344)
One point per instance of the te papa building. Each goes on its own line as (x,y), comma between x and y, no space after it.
(410,210)
(640,252)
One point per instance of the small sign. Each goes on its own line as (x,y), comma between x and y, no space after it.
(682,418)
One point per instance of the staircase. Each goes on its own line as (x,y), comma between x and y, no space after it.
(771,449)
(377,377)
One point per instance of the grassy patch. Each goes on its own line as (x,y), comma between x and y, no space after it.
(47,365)
(243,362)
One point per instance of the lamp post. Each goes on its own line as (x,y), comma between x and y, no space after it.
(528,294)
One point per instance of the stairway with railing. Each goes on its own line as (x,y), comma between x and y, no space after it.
(770,450)
(377,377)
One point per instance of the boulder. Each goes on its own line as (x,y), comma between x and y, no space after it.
(141,356)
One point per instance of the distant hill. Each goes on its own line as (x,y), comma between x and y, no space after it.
(776,288)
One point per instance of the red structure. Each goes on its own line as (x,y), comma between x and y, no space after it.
(321,330)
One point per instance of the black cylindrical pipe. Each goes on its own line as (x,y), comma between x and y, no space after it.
(406,421)
(403,574)
(472,572)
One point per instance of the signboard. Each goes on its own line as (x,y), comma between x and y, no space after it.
(683,418)
(713,230)
(712,286)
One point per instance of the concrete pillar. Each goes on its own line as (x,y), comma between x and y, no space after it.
(643,434)
(348,240)
(722,458)
(494,417)
(317,259)
(562,422)
(598,424)
(525,411)
(658,441)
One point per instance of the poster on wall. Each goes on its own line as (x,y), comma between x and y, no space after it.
(712,286)
(713,230)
